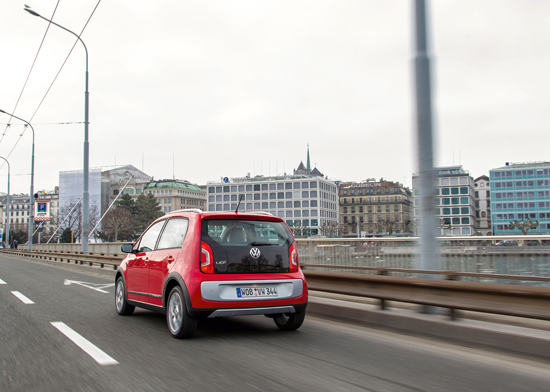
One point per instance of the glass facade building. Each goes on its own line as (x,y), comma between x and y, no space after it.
(520,191)
(455,201)
(307,201)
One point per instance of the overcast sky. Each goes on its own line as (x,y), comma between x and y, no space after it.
(206,89)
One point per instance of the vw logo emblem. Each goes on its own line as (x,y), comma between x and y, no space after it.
(255,253)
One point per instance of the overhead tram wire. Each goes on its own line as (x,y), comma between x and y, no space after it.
(59,123)
(51,85)
(29,75)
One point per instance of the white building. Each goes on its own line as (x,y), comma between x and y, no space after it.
(309,201)
(455,201)
(483,205)
(19,212)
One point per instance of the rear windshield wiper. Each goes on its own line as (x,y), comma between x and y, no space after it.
(262,243)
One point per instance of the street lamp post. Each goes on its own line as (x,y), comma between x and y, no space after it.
(86,170)
(7,236)
(31,195)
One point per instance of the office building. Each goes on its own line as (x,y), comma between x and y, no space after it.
(519,192)
(307,200)
(455,201)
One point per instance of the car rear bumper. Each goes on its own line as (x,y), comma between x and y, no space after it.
(252,311)
(230,312)
(230,291)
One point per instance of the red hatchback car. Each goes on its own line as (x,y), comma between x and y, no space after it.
(191,264)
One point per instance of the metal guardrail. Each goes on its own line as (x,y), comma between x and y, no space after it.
(449,275)
(451,293)
(511,300)
(100,260)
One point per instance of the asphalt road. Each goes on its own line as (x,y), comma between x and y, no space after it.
(136,353)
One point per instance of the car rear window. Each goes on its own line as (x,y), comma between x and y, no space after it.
(232,241)
(238,232)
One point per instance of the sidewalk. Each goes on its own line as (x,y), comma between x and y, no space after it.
(524,337)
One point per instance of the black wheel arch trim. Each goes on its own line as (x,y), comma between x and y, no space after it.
(120,272)
(177,277)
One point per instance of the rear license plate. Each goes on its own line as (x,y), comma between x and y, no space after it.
(251,292)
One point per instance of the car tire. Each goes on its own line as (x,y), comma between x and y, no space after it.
(180,324)
(121,302)
(290,321)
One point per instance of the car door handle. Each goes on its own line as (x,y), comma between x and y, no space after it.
(146,260)
(170,259)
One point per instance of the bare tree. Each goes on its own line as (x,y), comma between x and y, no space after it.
(389,226)
(118,220)
(408,226)
(95,215)
(524,225)
(297,228)
(73,221)
(333,229)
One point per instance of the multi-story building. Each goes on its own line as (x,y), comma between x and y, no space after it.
(520,191)
(483,205)
(19,212)
(455,201)
(175,195)
(103,188)
(307,200)
(126,179)
(371,208)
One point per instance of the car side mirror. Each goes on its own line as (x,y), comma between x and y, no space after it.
(127,248)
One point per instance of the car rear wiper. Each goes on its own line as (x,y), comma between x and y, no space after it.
(261,243)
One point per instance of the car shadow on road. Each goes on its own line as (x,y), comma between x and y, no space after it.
(216,327)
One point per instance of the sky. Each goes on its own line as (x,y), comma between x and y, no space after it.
(200,90)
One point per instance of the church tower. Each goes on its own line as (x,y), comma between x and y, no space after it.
(308,168)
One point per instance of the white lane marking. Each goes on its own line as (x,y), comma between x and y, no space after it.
(2,282)
(90,349)
(24,299)
(93,286)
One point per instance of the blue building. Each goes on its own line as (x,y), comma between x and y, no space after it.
(520,191)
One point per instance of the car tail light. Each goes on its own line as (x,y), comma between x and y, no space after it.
(207,259)
(293,257)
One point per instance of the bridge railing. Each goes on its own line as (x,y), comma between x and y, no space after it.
(466,255)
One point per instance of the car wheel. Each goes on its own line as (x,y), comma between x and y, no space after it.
(121,303)
(180,324)
(290,321)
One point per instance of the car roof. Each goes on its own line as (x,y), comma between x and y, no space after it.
(255,215)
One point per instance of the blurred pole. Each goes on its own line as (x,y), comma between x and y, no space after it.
(429,257)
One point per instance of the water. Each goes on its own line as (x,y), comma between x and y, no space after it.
(523,261)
